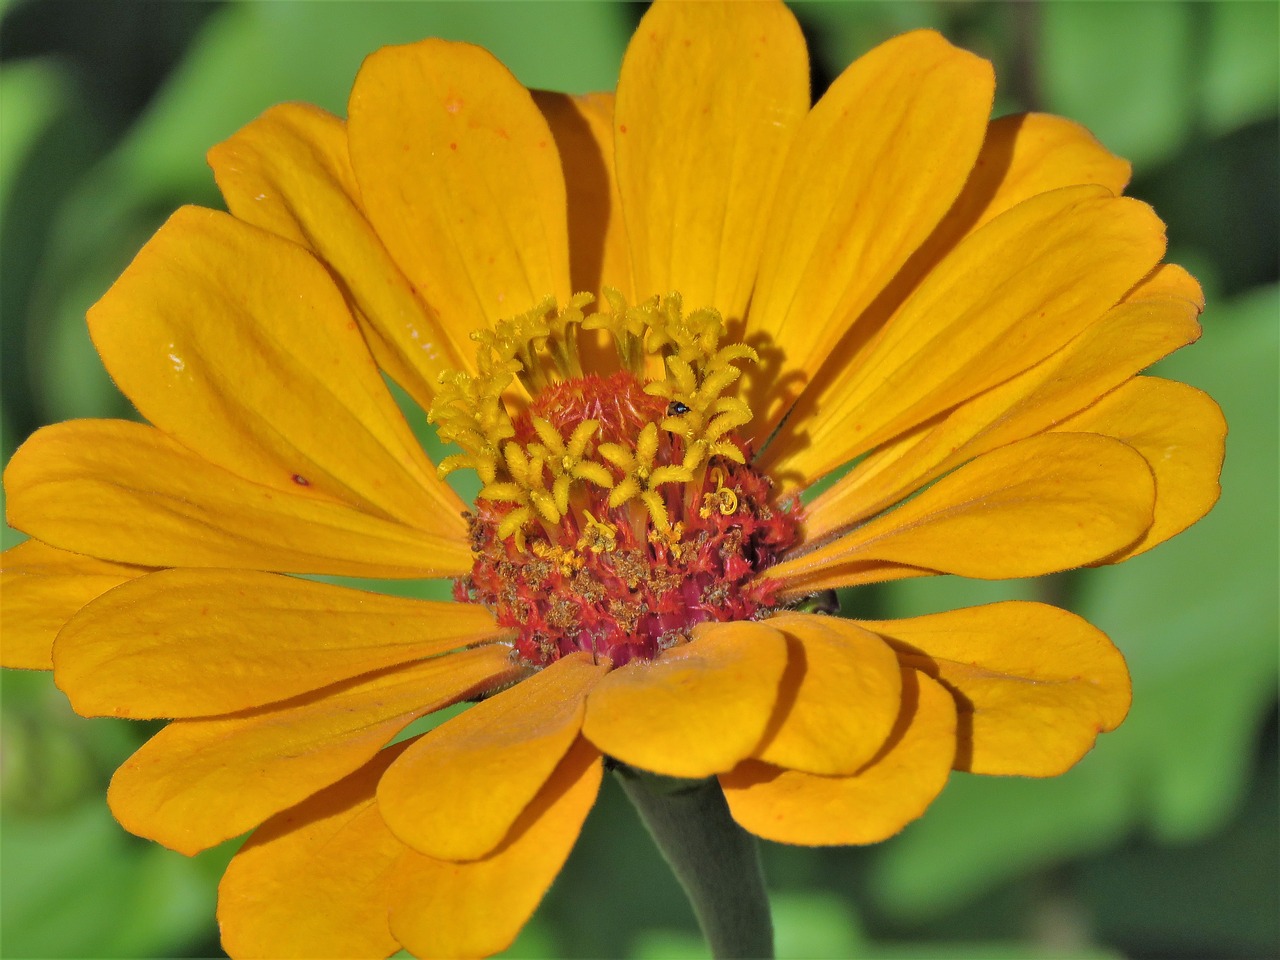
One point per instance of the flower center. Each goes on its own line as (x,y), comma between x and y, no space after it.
(616,511)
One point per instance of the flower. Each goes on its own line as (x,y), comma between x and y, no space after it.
(647,323)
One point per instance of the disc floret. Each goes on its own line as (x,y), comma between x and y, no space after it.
(616,511)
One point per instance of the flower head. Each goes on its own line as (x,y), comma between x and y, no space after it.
(647,323)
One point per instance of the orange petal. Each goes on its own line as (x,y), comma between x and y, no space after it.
(890,792)
(709,100)
(1182,434)
(313,881)
(839,698)
(237,344)
(1034,685)
(460,177)
(1048,503)
(456,794)
(444,909)
(191,643)
(42,588)
(289,172)
(199,782)
(125,491)
(875,166)
(599,254)
(1130,337)
(698,708)
(1007,297)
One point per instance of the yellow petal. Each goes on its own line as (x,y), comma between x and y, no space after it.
(698,708)
(1129,338)
(191,643)
(313,881)
(444,909)
(876,164)
(41,588)
(839,698)
(125,491)
(1034,685)
(289,172)
(890,792)
(709,100)
(237,344)
(1048,503)
(1182,434)
(1007,297)
(599,255)
(460,176)
(199,782)
(456,794)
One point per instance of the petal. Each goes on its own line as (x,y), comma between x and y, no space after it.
(1007,297)
(127,492)
(1034,685)
(709,100)
(1048,503)
(1182,434)
(191,643)
(444,909)
(460,177)
(41,588)
(288,172)
(791,807)
(698,708)
(1130,337)
(313,880)
(456,794)
(599,254)
(839,698)
(199,782)
(237,344)
(876,164)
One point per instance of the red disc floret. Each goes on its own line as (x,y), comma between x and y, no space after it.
(609,580)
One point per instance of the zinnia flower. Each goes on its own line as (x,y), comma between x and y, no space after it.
(648,323)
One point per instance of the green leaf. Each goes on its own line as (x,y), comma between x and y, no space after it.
(1240,79)
(1123,70)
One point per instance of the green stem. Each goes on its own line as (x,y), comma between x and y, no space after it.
(715,860)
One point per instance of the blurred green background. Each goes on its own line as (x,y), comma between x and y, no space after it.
(1161,843)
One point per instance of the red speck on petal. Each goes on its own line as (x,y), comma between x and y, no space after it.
(453,146)
(622,128)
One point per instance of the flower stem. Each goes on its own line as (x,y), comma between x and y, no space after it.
(715,860)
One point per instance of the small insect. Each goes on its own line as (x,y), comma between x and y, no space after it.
(676,408)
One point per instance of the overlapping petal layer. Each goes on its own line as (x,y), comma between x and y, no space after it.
(456,794)
(1128,338)
(289,172)
(165,646)
(1181,433)
(313,880)
(126,492)
(698,708)
(443,909)
(873,804)
(1003,300)
(1034,685)
(876,164)
(199,782)
(41,588)
(237,344)
(838,699)
(1048,503)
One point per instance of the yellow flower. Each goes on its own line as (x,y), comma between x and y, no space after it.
(960,308)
